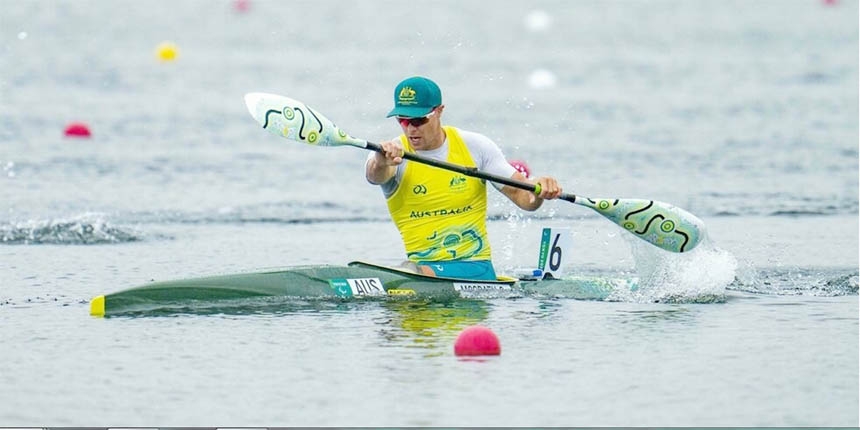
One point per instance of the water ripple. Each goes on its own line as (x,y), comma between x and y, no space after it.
(799,282)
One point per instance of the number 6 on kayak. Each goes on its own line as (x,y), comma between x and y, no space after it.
(660,224)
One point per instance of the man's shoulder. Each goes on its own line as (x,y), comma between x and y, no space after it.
(475,140)
(469,135)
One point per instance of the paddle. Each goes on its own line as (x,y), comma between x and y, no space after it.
(659,224)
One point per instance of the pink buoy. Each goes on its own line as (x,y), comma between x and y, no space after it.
(77,129)
(241,6)
(521,167)
(477,340)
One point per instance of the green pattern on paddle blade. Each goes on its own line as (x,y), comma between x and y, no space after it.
(294,120)
(661,224)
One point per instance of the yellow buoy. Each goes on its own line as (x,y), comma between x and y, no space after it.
(167,51)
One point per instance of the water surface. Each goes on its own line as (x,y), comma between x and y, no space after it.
(743,113)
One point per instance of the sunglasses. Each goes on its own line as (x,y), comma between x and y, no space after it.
(415,122)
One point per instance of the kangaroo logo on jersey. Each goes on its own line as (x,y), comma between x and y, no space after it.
(457,183)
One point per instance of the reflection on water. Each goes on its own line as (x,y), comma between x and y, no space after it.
(426,324)
(258,306)
(431,325)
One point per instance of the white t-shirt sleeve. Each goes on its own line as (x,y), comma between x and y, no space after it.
(487,155)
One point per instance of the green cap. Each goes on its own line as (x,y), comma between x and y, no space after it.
(415,97)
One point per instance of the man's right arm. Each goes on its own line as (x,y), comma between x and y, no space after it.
(382,166)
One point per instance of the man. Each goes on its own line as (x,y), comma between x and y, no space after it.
(442,215)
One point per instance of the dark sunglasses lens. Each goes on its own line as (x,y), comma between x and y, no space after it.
(416,122)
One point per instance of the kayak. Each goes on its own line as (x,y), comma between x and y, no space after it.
(355,281)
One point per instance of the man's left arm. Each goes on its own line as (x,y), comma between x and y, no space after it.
(493,161)
(527,200)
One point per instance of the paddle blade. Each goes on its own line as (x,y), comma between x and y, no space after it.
(658,223)
(294,120)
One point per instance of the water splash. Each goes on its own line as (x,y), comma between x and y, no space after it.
(86,229)
(844,285)
(512,245)
(701,275)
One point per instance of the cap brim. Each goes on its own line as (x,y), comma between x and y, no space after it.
(409,111)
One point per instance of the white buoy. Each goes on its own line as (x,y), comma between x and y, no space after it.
(541,79)
(538,20)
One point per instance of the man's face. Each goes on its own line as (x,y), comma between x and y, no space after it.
(423,132)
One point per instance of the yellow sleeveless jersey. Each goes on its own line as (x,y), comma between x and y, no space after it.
(441,215)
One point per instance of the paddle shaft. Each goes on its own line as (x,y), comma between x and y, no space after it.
(472,171)
(657,223)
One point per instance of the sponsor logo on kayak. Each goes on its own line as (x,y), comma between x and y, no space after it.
(471,286)
(401,292)
(440,212)
(357,287)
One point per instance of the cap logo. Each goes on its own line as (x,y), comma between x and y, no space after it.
(406,96)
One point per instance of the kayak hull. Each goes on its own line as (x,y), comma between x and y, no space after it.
(357,280)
